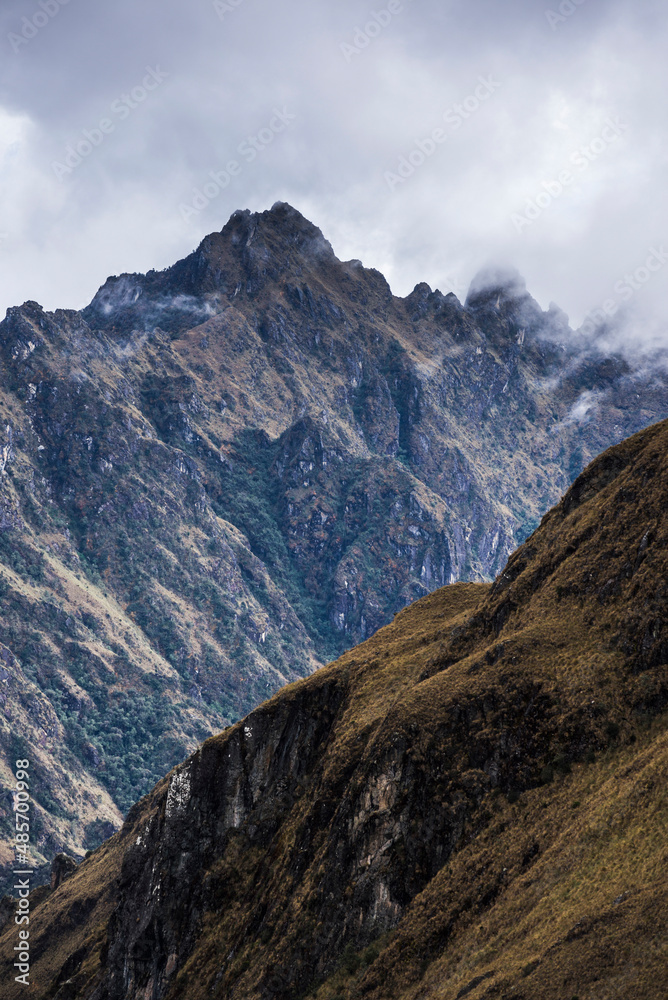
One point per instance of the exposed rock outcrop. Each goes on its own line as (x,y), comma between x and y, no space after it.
(473,799)
(219,476)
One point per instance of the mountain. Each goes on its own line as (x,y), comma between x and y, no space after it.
(472,803)
(218,477)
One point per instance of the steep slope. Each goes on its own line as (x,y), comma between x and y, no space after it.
(471,803)
(219,476)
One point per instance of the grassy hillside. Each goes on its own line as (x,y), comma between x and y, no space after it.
(469,804)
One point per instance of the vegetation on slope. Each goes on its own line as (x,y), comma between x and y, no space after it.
(469,804)
(217,477)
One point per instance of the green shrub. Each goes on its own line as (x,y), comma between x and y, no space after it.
(350,960)
(612,730)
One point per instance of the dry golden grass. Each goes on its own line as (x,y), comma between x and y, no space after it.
(585,915)
(552,679)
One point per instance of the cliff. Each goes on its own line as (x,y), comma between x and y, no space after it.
(470,803)
(218,477)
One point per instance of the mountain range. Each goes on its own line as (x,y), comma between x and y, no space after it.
(218,477)
(471,803)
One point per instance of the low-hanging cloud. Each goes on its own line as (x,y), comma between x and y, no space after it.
(360,112)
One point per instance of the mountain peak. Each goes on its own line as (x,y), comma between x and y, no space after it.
(251,250)
(495,282)
(501,304)
(277,229)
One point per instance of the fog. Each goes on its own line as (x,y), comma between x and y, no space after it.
(428,139)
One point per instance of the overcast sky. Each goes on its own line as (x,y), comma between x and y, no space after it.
(114,116)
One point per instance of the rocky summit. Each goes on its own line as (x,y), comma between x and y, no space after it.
(471,803)
(218,477)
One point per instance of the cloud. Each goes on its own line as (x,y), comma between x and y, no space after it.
(356,117)
(584,408)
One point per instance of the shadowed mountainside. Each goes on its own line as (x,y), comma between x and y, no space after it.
(470,803)
(219,476)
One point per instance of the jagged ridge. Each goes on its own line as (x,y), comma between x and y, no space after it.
(219,476)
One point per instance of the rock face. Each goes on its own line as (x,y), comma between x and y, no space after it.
(471,800)
(61,868)
(219,476)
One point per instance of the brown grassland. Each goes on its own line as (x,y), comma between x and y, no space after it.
(472,803)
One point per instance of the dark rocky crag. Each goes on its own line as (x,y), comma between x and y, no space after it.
(219,476)
(471,803)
